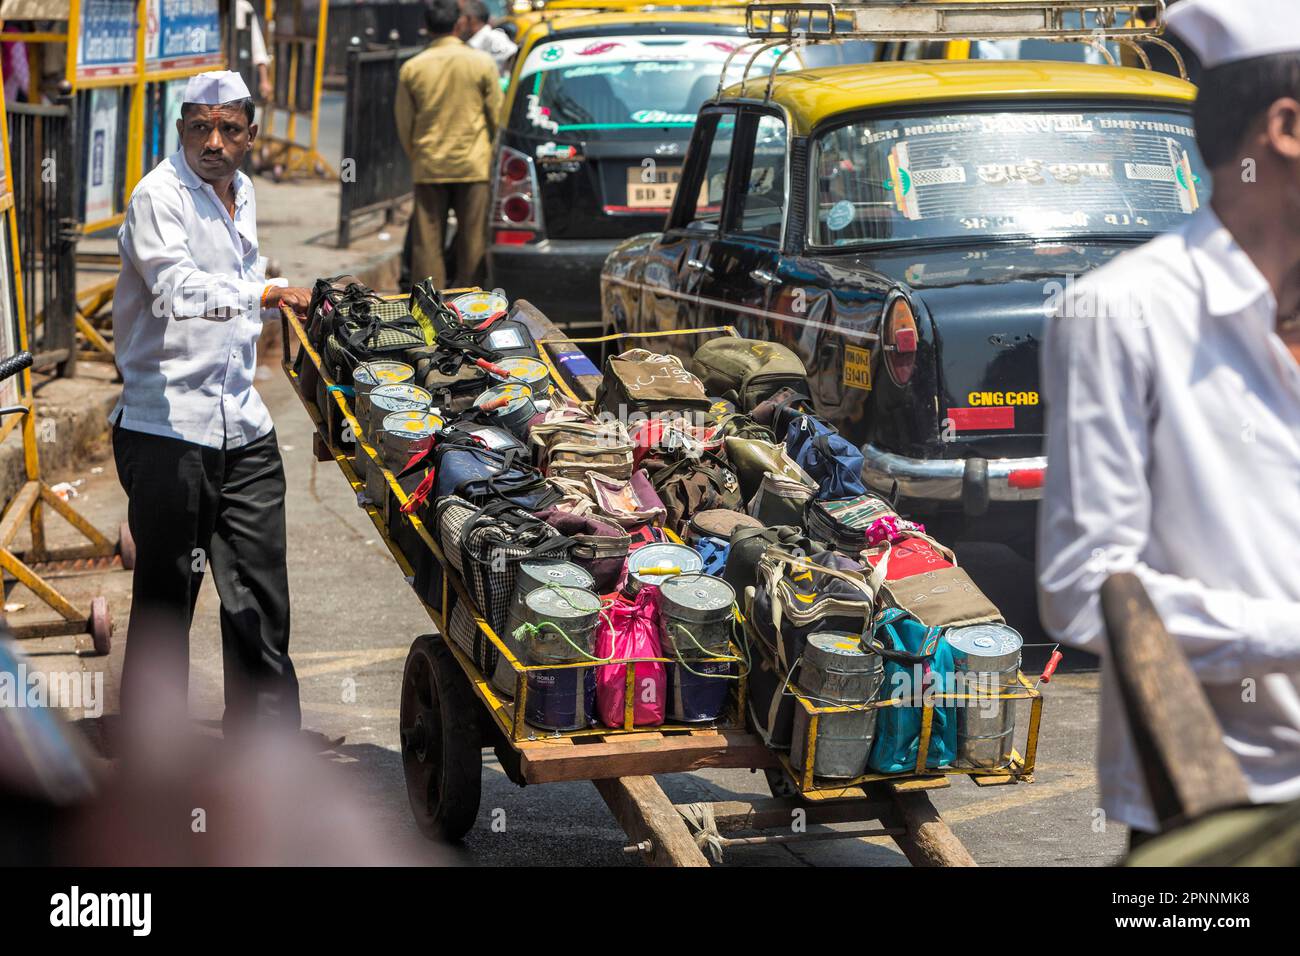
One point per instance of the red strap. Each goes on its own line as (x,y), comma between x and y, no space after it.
(419,495)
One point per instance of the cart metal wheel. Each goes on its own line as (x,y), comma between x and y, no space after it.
(442,754)
(101,625)
(126,546)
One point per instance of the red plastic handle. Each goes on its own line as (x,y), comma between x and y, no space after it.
(491,369)
(1050,669)
(501,401)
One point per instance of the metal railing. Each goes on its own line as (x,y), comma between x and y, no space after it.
(372,22)
(375,176)
(42,144)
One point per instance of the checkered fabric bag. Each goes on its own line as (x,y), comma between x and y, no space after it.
(469,637)
(489,543)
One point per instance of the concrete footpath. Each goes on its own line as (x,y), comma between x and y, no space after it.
(354,617)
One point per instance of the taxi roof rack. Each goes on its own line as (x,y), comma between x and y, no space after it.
(772,24)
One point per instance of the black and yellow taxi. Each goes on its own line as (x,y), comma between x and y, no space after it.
(906,227)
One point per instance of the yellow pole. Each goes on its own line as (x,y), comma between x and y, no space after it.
(135,127)
(74,39)
(30,459)
(319,72)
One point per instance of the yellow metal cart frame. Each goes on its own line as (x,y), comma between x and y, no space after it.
(622,762)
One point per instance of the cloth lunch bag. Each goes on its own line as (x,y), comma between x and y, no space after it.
(691,485)
(644,381)
(842,524)
(628,503)
(780,500)
(781,409)
(747,371)
(831,460)
(573,449)
(630,629)
(946,597)
(798,597)
(917,661)
(491,541)
(748,546)
(752,459)
(717,523)
(471,470)
(374,329)
(598,546)
(914,553)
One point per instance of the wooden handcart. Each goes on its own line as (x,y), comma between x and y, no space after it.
(449,711)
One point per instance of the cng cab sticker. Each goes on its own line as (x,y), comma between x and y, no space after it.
(857,368)
(998,399)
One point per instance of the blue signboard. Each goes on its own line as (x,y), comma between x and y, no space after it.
(183,33)
(106,46)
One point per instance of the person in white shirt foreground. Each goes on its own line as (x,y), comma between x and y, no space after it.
(477,32)
(1173,427)
(195,447)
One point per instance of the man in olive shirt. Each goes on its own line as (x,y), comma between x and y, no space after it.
(448,98)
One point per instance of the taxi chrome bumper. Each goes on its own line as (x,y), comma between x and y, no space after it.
(972,481)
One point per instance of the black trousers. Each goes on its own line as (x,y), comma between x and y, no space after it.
(191,507)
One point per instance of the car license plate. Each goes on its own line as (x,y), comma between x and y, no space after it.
(657,192)
(857,368)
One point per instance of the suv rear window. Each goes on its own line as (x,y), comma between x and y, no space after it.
(593,86)
(1015,173)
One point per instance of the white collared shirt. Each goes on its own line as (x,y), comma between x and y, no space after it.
(1173,449)
(495,43)
(187,311)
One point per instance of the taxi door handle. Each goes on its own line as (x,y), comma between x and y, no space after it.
(763,277)
(698,266)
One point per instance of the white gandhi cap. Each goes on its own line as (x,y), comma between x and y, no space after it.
(1226,31)
(215,88)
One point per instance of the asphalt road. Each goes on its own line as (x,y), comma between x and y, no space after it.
(354,618)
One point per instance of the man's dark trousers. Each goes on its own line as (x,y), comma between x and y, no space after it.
(191,506)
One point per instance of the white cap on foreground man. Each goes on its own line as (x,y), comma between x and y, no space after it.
(1172,384)
(194,444)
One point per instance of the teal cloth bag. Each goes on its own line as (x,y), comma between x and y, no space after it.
(918,663)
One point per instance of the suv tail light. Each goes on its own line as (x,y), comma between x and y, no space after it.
(516,198)
(900,340)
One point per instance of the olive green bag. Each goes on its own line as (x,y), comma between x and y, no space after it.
(747,371)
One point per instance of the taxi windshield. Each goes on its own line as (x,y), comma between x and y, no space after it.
(623,83)
(1015,173)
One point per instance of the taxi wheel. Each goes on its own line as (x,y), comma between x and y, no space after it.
(442,755)
(101,625)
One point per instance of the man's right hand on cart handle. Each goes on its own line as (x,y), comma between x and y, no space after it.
(294,297)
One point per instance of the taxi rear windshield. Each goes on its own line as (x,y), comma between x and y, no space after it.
(1015,173)
(594,88)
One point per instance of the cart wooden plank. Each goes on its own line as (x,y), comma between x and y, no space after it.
(927,840)
(647,816)
(640,755)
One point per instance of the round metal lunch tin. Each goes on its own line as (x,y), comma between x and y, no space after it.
(835,671)
(385,399)
(528,371)
(659,556)
(696,613)
(518,411)
(561,699)
(402,433)
(533,575)
(986,658)
(476,306)
(370,375)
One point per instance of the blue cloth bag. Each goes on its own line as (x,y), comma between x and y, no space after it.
(918,662)
(831,460)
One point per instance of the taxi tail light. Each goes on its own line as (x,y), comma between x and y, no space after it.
(1025,478)
(515,197)
(900,341)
